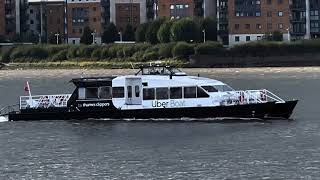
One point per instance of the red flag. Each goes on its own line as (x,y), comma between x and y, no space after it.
(26,87)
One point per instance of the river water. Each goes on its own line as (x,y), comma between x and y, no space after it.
(165,150)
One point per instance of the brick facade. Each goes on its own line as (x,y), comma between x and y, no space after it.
(127,13)
(2,18)
(91,19)
(268,21)
(171,8)
(55,19)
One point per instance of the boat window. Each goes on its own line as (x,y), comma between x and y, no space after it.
(190,92)
(148,94)
(162,93)
(92,93)
(137,91)
(209,88)
(82,93)
(201,93)
(223,88)
(105,92)
(129,89)
(175,92)
(118,92)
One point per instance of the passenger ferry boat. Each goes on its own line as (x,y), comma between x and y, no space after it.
(153,92)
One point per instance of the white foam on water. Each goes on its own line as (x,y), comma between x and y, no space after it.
(3,119)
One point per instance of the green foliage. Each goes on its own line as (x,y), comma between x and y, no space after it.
(165,50)
(185,30)
(128,50)
(209,48)
(60,56)
(209,25)
(151,33)
(85,51)
(164,31)
(140,34)
(182,50)
(96,54)
(86,36)
(150,56)
(29,52)
(274,36)
(73,52)
(128,34)
(110,34)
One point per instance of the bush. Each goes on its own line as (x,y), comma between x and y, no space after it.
(29,52)
(105,53)
(185,30)
(86,36)
(152,55)
(151,33)
(128,34)
(209,48)
(85,51)
(182,50)
(96,54)
(110,34)
(73,52)
(164,32)
(209,24)
(165,50)
(128,50)
(138,56)
(60,56)
(140,34)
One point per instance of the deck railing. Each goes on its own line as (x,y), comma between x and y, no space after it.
(250,97)
(44,101)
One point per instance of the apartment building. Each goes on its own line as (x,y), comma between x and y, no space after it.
(47,18)
(249,20)
(10,17)
(81,14)
(175,9)
(123,12)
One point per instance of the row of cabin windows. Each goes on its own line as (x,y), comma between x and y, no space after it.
(107,92)
(173,93)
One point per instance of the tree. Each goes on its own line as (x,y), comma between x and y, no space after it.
(209,25)
(150,11)
(86,36)
(128,34)
(164,31)
(185,30)
(151,34)
(140,34)
(110,34)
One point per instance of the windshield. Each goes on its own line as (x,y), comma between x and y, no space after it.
(216,88)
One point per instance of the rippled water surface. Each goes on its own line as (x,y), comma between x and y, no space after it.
(165,150)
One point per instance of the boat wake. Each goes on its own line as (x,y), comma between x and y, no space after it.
(3,119)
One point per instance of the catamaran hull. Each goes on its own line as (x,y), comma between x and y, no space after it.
(264,111)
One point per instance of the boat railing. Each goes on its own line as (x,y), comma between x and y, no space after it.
(250,97)
(44,101)
(8,109)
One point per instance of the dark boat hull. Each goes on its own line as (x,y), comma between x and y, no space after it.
(263,111)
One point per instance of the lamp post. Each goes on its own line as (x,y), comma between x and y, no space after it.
(93,34)
(57,36)
(289,39)
(204,35)
(120,33)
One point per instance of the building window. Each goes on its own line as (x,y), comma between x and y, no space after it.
(94,19)
(280,1)
(73,31)
(247,26)
(73,41)
(269,2)
(236,38)
(247,38)
(94,8)
(258,2)
(237,14)
(269,26)
(236,26)
(80,30)
(171,6)
(31,22)
(258,13)
(280,13)
(258,26)
(280,26)
(269,14)
(31,11)
(259,38)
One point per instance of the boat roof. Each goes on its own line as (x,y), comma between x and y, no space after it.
(165,81)
(159,69)
(93,81)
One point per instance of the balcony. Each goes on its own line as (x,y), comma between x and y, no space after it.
(297,20)
(296,7)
